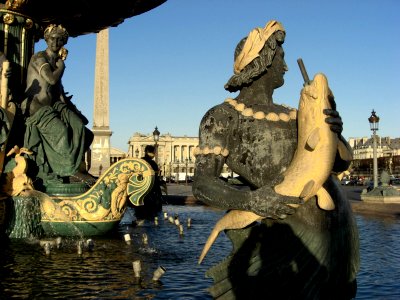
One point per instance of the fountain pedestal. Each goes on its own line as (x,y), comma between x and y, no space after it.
(382,194)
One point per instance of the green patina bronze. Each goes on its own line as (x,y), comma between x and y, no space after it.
(300,252)
(46,122)
(24,217)
(84,228)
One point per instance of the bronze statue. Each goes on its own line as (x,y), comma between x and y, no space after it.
(55,129)
(296,250)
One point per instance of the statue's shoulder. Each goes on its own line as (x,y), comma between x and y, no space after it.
(224,117)
(39,58)
(221,111)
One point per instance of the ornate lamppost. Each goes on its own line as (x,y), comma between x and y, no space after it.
(177,172)
(164,175)
(186,164)
(170,171)
(156,137)
(374,125)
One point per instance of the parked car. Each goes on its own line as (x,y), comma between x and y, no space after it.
(345,181)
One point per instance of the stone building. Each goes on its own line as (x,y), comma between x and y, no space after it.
(174,154)
(116,155)
(363,147)
(387,150)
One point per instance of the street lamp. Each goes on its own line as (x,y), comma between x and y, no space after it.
(137,153)
(177,171)
(156,137)
(170,170)
(374,125)
(164,175)
(186,163)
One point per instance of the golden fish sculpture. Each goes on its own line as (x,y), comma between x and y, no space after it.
(316,149)
(312,163)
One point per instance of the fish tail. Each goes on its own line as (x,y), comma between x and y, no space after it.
(224,223)
(234,219)
(211,239)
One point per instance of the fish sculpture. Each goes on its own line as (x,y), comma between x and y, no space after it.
(317,146)
(311,165)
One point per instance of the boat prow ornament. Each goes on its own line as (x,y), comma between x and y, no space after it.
(97,211)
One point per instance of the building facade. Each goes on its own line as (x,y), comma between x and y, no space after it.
(174,154)
(364,147)
(388,154)
(116,155)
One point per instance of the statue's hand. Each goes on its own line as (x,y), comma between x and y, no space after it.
(60,64)
(266,203)
(8,72)
(334,120)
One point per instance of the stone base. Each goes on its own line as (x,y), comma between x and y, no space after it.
(380,199)
(381,194)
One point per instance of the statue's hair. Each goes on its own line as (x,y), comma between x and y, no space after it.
(58,29)
(258,66)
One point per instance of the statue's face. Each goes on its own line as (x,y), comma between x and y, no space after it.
(55,41)
(278,68)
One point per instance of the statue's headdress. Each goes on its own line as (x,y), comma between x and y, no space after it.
(254,43)
(59,29)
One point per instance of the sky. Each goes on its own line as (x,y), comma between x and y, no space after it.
(168,66)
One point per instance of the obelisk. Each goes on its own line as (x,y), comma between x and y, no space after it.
(100,150)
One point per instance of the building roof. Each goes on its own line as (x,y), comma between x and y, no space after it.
(393,143)
(117,152)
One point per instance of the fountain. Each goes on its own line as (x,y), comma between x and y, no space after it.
(384,193)
(33,203)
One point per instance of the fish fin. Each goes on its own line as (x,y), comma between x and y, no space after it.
(307,189)
(211,239)
(324,200)
(344,152)
(234,219)
(313,139)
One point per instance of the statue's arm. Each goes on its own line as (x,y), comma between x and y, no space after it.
(208,187)
(336,124)
(44,70)
(341,164)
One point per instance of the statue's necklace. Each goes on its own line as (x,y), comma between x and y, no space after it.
(259,115)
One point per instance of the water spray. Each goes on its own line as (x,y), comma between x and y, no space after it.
(137,268)
(47,247)
(79,247)
(158,273)
(181,229)
(127,238)
(58,242)
(145,239)
(90,244)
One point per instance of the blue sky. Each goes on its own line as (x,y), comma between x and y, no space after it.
(168,66)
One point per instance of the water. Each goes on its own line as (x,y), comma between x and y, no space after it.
(26,272)
(379,276)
